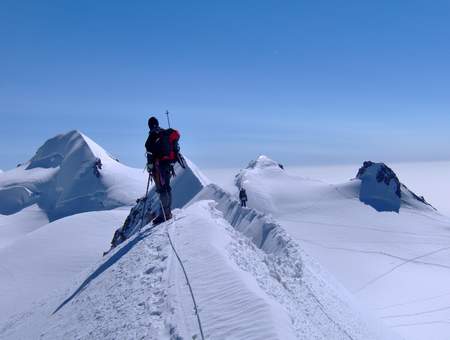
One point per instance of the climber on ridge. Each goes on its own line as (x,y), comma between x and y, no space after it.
(243,197)
(162,152)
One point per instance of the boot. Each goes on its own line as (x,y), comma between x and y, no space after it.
(161,218)
(158,220)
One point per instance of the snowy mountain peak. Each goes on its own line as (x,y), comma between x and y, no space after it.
(262,165)
(69,174)
(382,189)
(63,147)
(263,162)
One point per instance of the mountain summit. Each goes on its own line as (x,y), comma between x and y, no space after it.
(70,174)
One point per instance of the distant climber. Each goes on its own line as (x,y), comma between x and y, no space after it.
(97,167)
(243,197)
(162,152)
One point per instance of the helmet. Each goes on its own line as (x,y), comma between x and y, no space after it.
(153,123)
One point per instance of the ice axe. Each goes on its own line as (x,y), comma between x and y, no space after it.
(167,116)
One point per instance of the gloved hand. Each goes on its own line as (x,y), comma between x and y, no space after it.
(149,167)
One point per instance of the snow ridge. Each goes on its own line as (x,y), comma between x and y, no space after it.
(244,291)
(251,279)
(185,185)
(318,306)
(263,162)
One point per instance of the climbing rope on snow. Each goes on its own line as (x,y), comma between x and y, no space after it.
(185,276)
(189,285)
(322,308)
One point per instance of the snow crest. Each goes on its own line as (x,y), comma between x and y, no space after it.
(69,174)
(318,306)
(262,287)
(263,162)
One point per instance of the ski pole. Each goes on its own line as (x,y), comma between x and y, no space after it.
(145,200)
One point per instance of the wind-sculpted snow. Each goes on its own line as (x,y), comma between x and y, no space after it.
(69,174)
(250,270)
(260,288)
(251,280)
(319,308)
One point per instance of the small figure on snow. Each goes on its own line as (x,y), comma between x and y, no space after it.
(97,167)
(243,197)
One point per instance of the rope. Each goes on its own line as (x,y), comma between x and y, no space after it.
(189,285)
(322,308)
(197,314)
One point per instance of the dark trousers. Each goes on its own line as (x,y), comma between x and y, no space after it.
(161,175)
(243,203)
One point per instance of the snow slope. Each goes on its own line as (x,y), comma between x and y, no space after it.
(244,290)
(427,178)
(69,245)
(398,264)
(249,267)
(69,174)
(51,257)
(13,227)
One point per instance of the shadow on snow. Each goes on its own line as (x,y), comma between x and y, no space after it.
(104,266)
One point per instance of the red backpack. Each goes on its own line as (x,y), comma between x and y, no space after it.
(168,147)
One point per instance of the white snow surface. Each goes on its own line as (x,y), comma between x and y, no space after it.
(426,178)
(62,180)
(13,227)
(69,245)
(397,264)
(50,257)
(249,267)
(244,290)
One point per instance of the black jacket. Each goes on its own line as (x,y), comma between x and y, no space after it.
(242,195)
(151,146)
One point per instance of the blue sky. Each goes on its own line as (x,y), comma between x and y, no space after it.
(306,82)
